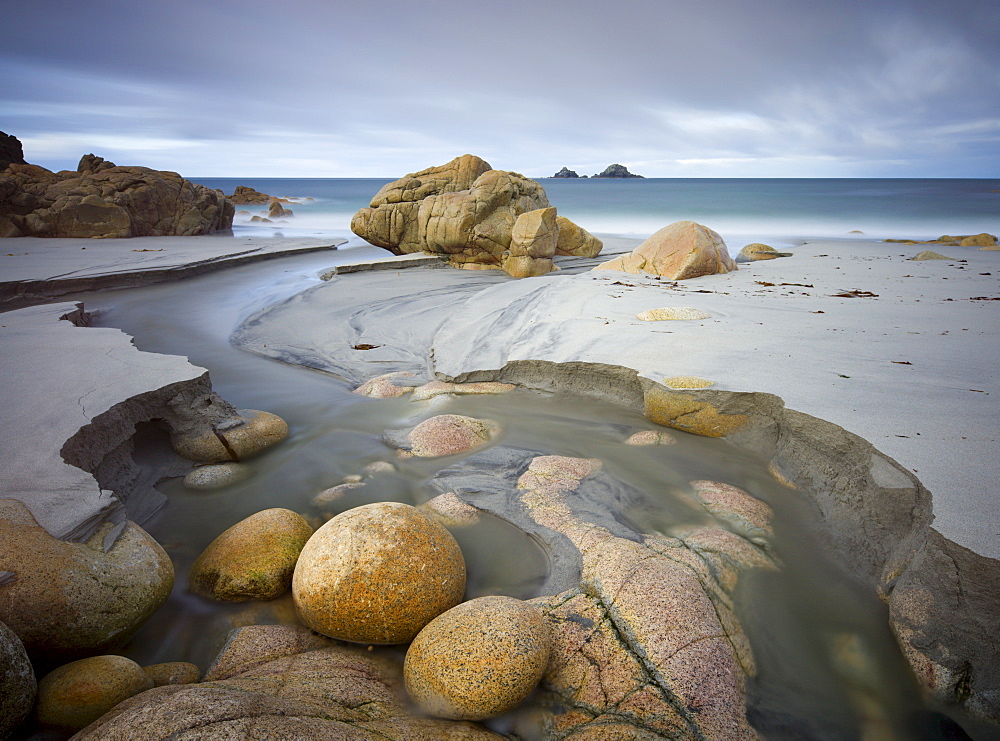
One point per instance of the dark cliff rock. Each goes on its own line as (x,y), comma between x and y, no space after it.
(100,199)
(616,171)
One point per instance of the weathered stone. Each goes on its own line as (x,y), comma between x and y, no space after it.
(276,211)
(685,412)
(173,672)
(235,439)
(479,659)
(437,388)
(679,251)
(651,437)
(566,173)
(65,599)
(76,694)
(532,244)
(464,210)
(310,693)
(377,574)
(747,515)
(253,559)
(575,240)
(450,511)
(930,255)
(382,387)
(978,240)
(100,199)
(757,251)
(250,646)
(687,382)
(444,434)
(668,313)
(244,194)
(17,677)
(334,494)
(216,476)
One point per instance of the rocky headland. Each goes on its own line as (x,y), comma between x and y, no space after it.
(102,200)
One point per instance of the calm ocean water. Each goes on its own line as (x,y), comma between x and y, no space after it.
(778,211)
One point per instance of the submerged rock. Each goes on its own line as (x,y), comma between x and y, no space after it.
(173,672)
(444,434)
(377,574)
(679,251)
(479,659)
(102,200)
(216,476)
(465,210)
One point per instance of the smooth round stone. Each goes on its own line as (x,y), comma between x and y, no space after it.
(173,672)
(451,434)
(377,574)
(254,559)
(479,659)
(216,476)
(76,694)
(247,435)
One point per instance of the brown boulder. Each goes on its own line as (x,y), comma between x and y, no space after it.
(244,194)
(249,433)
(575,240)
(17,680)
(377,574)
(679,251)
(66,600)
(100,199)
(277,211)
(533,240)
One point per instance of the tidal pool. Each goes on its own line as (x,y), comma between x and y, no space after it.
(828,667)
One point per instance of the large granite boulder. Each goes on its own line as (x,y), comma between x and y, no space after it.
(678,251)
(244,194)
(65,600)
(283,685)
(464,209)
(17,681)
(101,199)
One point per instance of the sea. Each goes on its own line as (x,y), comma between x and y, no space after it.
(777,211)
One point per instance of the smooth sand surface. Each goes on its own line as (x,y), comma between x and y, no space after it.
(911,368)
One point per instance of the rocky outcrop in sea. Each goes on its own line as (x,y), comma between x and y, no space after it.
(566,173)
(616,171)
(100,199)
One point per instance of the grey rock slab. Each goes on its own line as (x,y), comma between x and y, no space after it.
(33,270)
(57,377)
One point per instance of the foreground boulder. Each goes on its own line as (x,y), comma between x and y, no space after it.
(282,685)
(465,210)
(100,199)
(479,659)
(66,600)
(679,251)
(757,251)
(17,681)
(377,574)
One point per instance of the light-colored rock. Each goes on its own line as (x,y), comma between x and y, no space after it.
(678,251)
(382,387)
(533,242)
(446,434)
(687,382)
(576,241)
(437,388)
(334,494)
(305,692)
(216,476)
(930,255)
(668,313)
(250,646)
(450,511)
(757,251)
(377,574)
(173,672)
(978,240)
(76,694)
(241,437)
(479,659)
(253,559)
(746,515)
(467,211)
(651,437)
(17,681)
(65,599)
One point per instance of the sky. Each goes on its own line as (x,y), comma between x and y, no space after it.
(669,88)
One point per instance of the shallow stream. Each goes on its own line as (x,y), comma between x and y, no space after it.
(828,666)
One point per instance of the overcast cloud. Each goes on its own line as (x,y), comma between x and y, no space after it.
(716,88)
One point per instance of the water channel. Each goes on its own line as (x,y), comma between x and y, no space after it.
(828,666)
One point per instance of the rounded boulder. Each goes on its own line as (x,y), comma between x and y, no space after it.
(479,659)
(76,694)
(17,681)
(254,559)
(377,574)
(241,437)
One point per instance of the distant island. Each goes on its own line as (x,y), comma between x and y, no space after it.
(611,171)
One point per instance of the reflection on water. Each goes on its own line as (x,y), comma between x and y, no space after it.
(828,667)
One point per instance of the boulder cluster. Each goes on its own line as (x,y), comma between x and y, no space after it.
(474,215)
(100,199)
